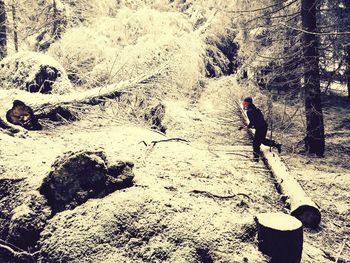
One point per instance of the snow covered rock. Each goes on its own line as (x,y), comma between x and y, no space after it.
(79,176)
(33,72)
(28,220)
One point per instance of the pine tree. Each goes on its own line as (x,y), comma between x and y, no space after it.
(347,46)
(315,139)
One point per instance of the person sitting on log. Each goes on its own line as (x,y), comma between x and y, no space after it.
(257,122)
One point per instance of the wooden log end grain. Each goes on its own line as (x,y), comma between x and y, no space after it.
(280,237)
(309,215)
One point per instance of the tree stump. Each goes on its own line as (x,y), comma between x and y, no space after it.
(280,237)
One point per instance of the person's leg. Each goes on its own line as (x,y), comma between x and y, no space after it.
(258,138)
(264,140)
(270,143)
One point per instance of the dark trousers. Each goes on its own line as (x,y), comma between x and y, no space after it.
(260,138)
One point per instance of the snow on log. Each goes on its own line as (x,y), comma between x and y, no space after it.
(92,96)
(280,236)
(45,106)
(301,205)
(33,72)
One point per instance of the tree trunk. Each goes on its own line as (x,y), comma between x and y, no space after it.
(280,236)
(348,69)
(3,49)
(55,31)
(58,21)
(6,126)
(15,34)
(347,48)
(59,107)
(315,140)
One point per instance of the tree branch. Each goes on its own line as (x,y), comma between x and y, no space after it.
(214,196)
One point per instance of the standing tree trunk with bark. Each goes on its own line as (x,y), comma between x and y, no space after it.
(347,48)
(315,139)
(15,32)
(3,48)
(58,21)
(347,73)
(55,30)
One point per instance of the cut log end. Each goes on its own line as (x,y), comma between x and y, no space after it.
(280,237)
(279,221)
(310,216)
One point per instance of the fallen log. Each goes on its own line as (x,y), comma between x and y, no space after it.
(8,127)
(280,236)
(94,96)
(61,107)
(23,115)
(300,204)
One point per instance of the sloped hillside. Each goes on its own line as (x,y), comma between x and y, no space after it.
(147,99)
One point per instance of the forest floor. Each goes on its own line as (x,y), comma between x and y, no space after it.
(176,211)
(326,180)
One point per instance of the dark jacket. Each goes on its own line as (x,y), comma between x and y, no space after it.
(256,118)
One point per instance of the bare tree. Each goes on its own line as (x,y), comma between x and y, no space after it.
(315,139)
(3,42)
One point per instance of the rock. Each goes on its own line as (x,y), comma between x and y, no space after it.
(10,198)
(33,72)
(28,220)
(120,175)
(155,117)
(78,176)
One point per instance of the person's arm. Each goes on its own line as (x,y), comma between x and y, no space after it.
(251,118)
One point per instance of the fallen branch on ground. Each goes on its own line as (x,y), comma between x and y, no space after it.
(327,255)
(210,151)
(92,97)
(153,143)
(210,195)
(341,249)
(17,255)
(258,169)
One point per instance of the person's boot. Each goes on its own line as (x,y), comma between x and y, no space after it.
(279,147)
(256,157)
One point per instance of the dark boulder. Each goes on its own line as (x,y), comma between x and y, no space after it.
(78,176)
